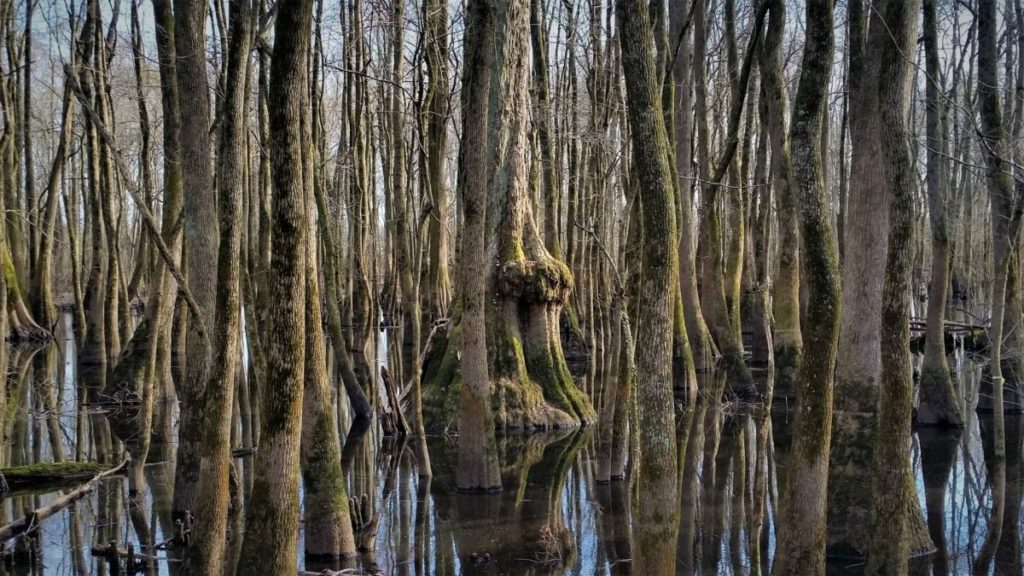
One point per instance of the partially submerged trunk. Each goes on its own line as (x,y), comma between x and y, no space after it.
(657,518)
(526,287)
(801,521)
(939,404)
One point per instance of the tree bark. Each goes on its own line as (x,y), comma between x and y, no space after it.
(657,508)
(801,521)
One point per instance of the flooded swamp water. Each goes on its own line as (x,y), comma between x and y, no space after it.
(551,518)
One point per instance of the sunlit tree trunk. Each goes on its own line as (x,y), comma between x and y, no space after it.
(657,519)
(526,286)
(200,237)
(209,533)
(272,514)
(478,468)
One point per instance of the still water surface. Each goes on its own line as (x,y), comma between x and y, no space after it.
(552,518)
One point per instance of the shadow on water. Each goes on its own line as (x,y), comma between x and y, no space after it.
(552,517)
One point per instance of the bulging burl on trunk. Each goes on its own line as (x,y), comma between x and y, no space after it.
(531,387)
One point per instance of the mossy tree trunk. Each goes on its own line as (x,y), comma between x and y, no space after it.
(327,526)
(858,373)
(890,528)
(788,342)
(705,355)
(657,518)
(525,286)
(217,397)
(478,458)
(271,527)
(438,290)
(801,518)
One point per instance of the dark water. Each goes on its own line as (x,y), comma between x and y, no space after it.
(552,518)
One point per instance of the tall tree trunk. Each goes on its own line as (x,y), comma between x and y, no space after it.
(858,373)
(658,508)
(786,310)
(801,521)
(437,294)
(217,399)
(889,543)
(705,355)
(1005,201)
(478,467)
(200,237)
(271,527)
(939,404)
(527,286)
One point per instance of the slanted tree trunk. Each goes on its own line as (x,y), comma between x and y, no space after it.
(939,404)
(526,286)
(327,532)
(657,518)
(801,519)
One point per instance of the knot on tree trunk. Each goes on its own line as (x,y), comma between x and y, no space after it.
(545,280)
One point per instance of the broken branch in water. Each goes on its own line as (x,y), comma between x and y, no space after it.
(33,519)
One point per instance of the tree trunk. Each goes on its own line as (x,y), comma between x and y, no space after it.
(786,310)
(939,404)
(705,356)
(1004,200)
(801,520)
(200,238)
(526,286)
(890,535)
(859,362)
(437,295)
(272,515)
(478,467)
(216,400)
(658,509)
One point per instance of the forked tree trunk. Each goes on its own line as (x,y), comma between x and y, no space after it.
(858,375)
(212,498)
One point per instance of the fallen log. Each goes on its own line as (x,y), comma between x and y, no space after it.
(32,519)
(49,473)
